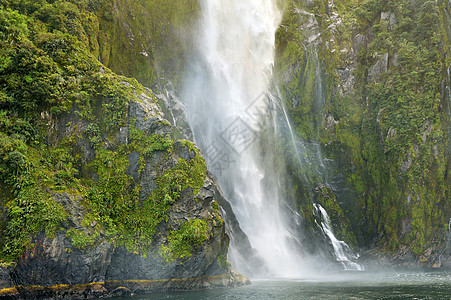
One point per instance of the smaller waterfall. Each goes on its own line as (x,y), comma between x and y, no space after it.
(448,89)
(342,251)
(294,140)
(448,238)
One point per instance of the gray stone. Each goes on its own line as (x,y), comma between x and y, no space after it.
(405,166)
(347,81)
(390,18)
(133,167)
(379,68)
(144,114)
(175,111)
(5,278)
(357,43)
(54,261)
(130,266)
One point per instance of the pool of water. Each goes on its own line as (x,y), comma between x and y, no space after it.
(346,285)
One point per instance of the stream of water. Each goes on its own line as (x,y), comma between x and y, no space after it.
(342,251)
(228,110)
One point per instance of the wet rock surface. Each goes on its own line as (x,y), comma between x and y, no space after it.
(53,268)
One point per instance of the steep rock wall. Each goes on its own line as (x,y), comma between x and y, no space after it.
(380,117)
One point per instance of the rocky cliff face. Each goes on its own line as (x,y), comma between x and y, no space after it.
(168,226)
(365,81)
(147,238)
(146,40)
(101,195)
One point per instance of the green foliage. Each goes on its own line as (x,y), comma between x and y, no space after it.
(82,240)
(110,196)
(31,211)
(301,77)
(39,71)
(368,11)
(389,133)
(47,73)
(146,145)
(406,104)
(185,174)
(215,205)
(113,200)
(183,242)
(223,262)
(31,208)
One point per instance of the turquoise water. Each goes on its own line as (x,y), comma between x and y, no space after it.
(346,285)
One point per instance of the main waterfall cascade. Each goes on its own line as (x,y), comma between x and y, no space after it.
(230,113)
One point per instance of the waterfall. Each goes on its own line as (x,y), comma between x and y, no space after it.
(229,111)
(448,238)
(448,90)
(342,252)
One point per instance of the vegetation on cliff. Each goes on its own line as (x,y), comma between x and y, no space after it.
(62,114)
(381,113)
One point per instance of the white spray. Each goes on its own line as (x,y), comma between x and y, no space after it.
(226,110)
(342,252)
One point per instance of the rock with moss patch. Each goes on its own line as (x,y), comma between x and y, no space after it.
(143,208)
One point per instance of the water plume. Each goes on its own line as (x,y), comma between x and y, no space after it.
(229,112)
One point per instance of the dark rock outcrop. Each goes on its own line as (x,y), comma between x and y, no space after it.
(52,266)
(54,261)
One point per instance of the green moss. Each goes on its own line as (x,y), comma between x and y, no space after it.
(183,242)
(81,239)
(48,72)
(31,208)
(403,107)
(113,200)
(146,145)
(215,205)
(386,130)
(143,39)
(185,174)
(223,262)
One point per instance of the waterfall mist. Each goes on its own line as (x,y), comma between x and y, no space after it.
(243,130)
(229,113)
